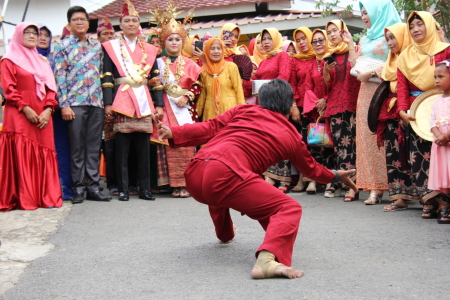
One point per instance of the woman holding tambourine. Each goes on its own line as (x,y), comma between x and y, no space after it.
(416,75)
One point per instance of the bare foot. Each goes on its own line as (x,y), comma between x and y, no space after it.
(280,271)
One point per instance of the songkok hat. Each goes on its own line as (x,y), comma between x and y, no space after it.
(129,10)
(66,30)
(104,24)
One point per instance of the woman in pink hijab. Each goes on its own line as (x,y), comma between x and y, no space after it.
(29,169)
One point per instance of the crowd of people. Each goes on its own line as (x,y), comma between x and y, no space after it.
(64,108)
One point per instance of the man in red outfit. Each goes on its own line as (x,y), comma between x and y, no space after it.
(240,145)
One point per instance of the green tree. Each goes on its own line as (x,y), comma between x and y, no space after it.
(404,7)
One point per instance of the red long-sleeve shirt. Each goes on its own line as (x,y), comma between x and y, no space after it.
(249,139)
(276,67)
(344,90)
(300,70)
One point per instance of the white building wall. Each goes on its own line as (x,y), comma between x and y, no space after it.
(51,13)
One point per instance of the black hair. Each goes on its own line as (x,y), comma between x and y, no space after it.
(75,9)
(414,17)
(444,63)
(276,95)
(264,31)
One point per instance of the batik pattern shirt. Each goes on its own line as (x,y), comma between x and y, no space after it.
(77,72)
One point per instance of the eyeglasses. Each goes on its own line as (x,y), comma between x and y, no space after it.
(79,20)
(33,33)
(320,42)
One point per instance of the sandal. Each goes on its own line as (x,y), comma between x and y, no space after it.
(430,211)
(133,190)
(311,189)
(284,188)
(114,191)
(374,197)
(184,193)
(300,187)
(331,191)
(349,198)
(395,207)
(444,216)
(176,193)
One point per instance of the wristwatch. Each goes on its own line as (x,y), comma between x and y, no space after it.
(337,177)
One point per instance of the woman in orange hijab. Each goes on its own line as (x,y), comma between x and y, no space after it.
(300,66)
(222,85)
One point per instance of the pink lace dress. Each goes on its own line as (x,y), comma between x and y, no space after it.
(439,176)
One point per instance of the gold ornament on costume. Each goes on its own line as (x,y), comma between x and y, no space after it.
(165,19)
(129,10)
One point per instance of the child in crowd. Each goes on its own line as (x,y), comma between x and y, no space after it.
(439,178)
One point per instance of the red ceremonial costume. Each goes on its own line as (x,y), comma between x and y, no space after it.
(28,164)
(225,173)
(171,169)
(179,82)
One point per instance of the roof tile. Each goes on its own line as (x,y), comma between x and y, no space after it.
(114,8)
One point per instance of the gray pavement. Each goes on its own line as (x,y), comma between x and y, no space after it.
(167,249)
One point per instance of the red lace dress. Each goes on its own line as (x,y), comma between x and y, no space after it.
(341,111)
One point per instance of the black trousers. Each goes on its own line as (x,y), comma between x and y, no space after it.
(85,139)
(123,144)
(109,149)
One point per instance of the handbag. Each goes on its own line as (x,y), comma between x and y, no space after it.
(319,136)
(367,64)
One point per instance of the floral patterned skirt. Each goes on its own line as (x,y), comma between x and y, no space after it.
(400,179)
(419,158)
(343,129)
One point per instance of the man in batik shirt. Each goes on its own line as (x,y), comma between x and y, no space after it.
(77,72)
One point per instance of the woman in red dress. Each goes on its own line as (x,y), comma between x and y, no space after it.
(301,63)
(315,90)
(343,91)
(29,168)
(277,65)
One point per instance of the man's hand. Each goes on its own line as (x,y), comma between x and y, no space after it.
(67,114)
(164,132)
(344,174)
(108,112)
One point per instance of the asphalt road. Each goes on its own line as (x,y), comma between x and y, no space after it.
(167,249)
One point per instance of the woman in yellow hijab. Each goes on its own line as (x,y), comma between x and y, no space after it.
(258,53)
(416,75)
(342,95)
(389,132)
(277,65)
(230,34)
(188,48)
(222,86)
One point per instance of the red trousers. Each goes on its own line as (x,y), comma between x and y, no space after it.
(213,183)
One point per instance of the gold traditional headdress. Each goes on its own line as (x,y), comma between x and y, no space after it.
(129,10)
(165,19)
